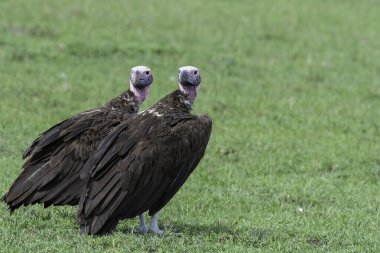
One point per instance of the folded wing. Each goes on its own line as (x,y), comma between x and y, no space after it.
(141,168)
(59,153)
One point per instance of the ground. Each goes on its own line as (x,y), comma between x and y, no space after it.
(293,88)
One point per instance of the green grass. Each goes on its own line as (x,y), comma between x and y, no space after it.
(293,88)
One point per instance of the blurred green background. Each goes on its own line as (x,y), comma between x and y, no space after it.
(293,88)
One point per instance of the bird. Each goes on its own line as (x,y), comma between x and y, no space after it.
(51,172)
(144,161)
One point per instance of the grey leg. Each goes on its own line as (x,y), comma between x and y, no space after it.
(154,226)
(143,228)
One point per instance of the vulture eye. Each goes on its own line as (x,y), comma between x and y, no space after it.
(195,72)
(147,73)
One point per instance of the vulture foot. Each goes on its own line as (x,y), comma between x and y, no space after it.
(155,231)
(154,226)
(143,228)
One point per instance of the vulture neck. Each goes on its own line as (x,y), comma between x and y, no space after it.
(139,94)
(190,92)
(126,102)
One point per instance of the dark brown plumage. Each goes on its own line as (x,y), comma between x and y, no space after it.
(142,163)
(51,172)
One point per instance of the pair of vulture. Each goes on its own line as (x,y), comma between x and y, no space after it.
(116,163)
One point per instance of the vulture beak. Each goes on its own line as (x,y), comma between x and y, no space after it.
(189,76)
(141,77)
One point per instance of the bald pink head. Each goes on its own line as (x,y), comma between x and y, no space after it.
(189,79)
(140,81)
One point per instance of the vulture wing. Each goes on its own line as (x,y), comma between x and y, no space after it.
(141,169)
(60,153)
(53,136)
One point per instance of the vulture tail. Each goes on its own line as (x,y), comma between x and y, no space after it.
(23,189)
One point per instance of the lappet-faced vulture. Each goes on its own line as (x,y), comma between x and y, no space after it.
(144,161)
(51,173)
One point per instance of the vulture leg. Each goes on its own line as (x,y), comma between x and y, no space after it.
(143,228)
(154,226)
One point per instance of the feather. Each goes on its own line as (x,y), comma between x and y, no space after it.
(52,172)
(149,161)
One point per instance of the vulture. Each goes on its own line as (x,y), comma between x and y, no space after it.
(144,161)
(51,173)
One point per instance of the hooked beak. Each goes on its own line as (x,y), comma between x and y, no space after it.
(141,79)
(189,78)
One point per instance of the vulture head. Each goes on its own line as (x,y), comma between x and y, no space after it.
(140,81)
(189,79)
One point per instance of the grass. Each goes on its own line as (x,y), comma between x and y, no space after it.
(293,88)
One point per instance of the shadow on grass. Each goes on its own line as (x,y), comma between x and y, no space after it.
(196,229)
(253,237)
